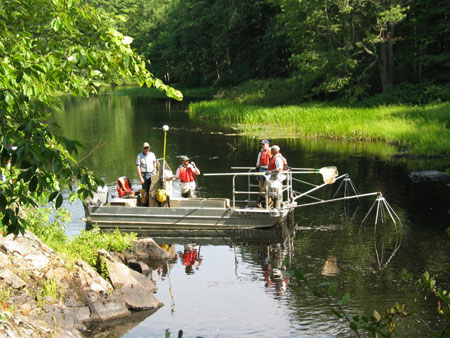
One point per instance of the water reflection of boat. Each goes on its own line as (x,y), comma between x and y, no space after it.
(277,234)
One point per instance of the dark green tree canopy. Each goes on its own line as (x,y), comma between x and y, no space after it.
(327,49)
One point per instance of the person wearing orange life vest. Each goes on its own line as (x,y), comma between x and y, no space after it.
(186,174)
(277,164)
(262,162)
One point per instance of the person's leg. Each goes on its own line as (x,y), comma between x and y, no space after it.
(192,193)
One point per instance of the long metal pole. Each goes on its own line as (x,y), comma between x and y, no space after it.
(338,199)
(165,128)
(316,188)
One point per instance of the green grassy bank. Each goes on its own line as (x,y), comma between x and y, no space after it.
(418,130)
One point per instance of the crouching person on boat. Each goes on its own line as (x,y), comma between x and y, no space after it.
(186,174)
(274,183)
(146,168)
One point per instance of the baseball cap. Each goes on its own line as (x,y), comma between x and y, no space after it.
(277,148)
(265,141)
(185,158)
(146,145)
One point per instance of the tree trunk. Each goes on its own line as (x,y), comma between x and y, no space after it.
(386,60)
(383,69)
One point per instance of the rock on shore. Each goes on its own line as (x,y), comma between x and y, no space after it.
(47,296)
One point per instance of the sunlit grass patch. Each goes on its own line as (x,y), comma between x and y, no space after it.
(420,130)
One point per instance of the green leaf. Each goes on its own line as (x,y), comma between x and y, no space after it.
(3,201)
(376,316)
(26,175)
(19,76)
(59,201)
(333,288)
(354,326)
(53,195)
(56,24)
(9,99)
(337,314)
(33,184)
(345,299)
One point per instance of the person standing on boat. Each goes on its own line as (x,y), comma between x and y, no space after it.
(277,164)
(186,174)
(146,166)
(262,162)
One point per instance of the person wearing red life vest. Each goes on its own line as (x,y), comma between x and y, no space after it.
(262,162)
(277,162)
(186,174)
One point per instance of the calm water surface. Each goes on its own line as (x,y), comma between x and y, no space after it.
(241,286)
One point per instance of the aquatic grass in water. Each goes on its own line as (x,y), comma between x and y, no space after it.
(421,130)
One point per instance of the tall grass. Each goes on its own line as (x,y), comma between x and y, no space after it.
(420,130)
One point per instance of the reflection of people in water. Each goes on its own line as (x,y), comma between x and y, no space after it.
(330,267)
(191,258)
(273,270)
(161,270)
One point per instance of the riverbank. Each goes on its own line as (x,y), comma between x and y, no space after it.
(269,108)
(414,130)
(42,294)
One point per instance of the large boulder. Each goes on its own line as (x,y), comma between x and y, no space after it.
(136,289)
(429,176)
(147,248)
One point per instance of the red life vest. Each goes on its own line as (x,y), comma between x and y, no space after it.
(123,186)
(272,165)
(264,158)
(189,257)
(186,174)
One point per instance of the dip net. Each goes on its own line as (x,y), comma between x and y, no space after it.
(329,174)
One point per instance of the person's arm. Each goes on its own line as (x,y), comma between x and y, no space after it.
(258,160)
(138,168)
(194,168)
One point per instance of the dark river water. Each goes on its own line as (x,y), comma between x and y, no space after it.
(242,285)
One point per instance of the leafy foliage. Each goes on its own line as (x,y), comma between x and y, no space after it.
(48,48)
(330,49)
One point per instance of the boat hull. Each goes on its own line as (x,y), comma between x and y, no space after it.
(141,218)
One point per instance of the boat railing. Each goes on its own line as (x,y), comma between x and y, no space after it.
(286,185)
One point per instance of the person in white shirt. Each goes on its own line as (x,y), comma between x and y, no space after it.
(146,166)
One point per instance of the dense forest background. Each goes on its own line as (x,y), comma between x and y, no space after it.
(316,49)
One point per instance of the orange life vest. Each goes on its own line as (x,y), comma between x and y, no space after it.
(123,186)
(264,158)
(272,165)
(189,257)
(186,174)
